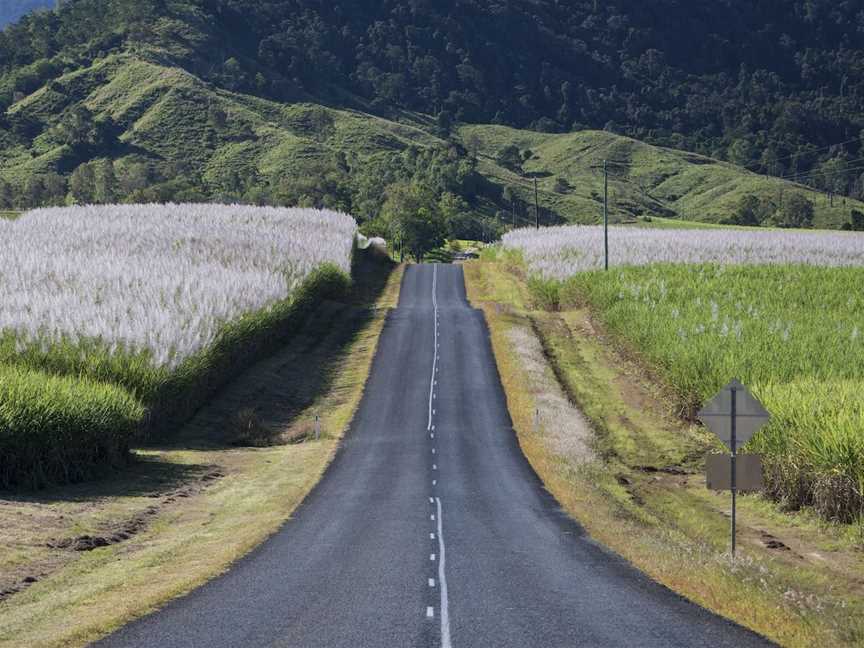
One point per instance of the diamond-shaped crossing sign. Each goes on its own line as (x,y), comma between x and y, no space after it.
(750,414)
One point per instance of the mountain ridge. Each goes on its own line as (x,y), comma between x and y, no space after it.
(12,10)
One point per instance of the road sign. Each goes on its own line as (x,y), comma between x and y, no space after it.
(748,472)
(734,415)
(750,415)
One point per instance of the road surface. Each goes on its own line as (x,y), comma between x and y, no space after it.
(430,529)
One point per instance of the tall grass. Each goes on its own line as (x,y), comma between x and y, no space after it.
(59,429)
(156,280)
(559,252)
(165,303)
(793,333)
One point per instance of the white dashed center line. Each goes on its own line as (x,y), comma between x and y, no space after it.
(435,347)
(433,396)
(442,580)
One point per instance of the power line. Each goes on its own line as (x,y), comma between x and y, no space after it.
(800,173)
(811,151)
(816,174)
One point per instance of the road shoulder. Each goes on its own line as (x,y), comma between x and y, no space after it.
(87,559)
(641,492)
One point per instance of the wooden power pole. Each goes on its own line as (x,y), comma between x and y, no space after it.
(606,213)
(536,206)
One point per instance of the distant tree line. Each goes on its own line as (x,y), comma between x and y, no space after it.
(438,187)
(793,210)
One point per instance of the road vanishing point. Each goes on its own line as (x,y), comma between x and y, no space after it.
(430,528)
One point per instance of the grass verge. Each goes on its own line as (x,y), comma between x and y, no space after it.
(789,332)
(796,579)
(85,559)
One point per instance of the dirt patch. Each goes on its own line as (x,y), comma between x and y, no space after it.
(771,542)
(124,530)
(63,550)
(667,470)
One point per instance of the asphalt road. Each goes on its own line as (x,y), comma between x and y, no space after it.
(430,528)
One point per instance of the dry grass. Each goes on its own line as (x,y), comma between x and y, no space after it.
(645,498)
(186,512)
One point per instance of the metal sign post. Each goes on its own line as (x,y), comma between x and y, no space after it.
(734,415)
(734,440)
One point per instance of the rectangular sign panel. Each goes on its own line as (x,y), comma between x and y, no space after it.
(748,472)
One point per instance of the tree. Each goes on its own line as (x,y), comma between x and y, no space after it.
(216,117)
(473,143)
(457,215)
(81,131)
(55,189)
(561,185)
(233,75)
(444,121)
(34,192)
(796,211)
(510,157)
(134,177)
(856,220)
(423,230)
(414,218)
(748,212)
(82,184)
(106,183)
(7,200)
(741,152)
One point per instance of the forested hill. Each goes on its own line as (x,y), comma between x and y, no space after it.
(335,103)
(11,10)
(752,82)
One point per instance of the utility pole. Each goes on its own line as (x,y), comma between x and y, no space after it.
(606,213)
(536,205)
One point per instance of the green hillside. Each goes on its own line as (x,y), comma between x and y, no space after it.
(644,180)
(126,127)
(170,115)
(297,102)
